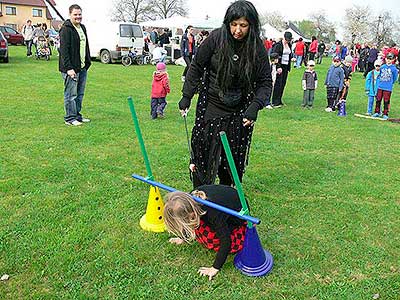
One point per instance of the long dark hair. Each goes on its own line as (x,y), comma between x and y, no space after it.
(249,46)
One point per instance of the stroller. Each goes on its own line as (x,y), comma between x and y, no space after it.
(42,48)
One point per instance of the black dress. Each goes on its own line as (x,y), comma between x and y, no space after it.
(216,113)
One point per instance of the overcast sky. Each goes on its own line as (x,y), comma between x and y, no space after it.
(292,10)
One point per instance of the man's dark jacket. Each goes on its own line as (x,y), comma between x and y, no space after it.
(70,57)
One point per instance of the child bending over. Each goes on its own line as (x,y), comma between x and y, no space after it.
(190,220)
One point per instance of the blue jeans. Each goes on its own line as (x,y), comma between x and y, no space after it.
(74,90)
(157,107)
(299,59)
(371,100)
(29,47)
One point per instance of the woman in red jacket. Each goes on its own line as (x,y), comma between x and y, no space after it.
(159,90)
(313,48)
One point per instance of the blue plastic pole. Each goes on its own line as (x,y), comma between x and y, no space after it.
(201,201)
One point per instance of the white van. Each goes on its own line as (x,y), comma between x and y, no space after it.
(108,41)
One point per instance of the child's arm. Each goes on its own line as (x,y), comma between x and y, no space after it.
(316,80)
(223,233)
(166,86)
(303,82)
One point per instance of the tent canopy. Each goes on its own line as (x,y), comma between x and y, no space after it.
(270,32)
(183,22)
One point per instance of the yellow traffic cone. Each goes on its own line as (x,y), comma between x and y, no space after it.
(153,219)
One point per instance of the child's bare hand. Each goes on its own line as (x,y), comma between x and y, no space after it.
(210,272)
(176,241)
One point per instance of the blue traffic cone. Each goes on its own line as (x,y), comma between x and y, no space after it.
(253,260)
(342,108)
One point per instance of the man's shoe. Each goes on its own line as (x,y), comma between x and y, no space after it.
(84,120)
(385,117)
(73,123)
(376,115)
(269,107)
(278,106)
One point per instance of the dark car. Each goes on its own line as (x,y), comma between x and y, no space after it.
(3,48)
(12,36)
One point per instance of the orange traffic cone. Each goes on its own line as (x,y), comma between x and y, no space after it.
(153,219)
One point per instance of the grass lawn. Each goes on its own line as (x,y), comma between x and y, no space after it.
(325,187)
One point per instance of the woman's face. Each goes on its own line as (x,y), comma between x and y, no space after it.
(239,28)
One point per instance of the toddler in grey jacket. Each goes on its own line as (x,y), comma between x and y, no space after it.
(310,83)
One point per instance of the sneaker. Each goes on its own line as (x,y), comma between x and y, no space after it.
(183,78)
(161,116)
(85,120)
(269,107)
(376,115)
(328,109)
(278,106)
(385,117)
(368,114)
(73,123)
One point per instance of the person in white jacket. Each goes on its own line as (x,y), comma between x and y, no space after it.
(27,32)
(159,54)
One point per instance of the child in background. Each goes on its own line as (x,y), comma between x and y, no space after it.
(190,220)
(347,69)
(371,85)
(387,77)
(309,82)
(159,90)
(334,83)
(273,59)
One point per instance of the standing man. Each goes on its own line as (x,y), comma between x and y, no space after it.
(74,61)
(27,32)
(321,51)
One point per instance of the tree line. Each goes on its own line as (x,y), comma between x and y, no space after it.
(359,25)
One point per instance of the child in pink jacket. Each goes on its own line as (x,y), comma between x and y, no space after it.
(159,90)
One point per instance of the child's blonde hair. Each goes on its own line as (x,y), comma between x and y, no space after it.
(182,214)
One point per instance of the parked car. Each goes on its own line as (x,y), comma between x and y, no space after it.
(12,36)
(3,48)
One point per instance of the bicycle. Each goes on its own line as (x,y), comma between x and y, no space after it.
(132,57)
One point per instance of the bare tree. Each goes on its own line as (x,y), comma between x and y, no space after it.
(385,28)
(131,10)
(167,8)
(357,24)
(275,19)
(324,29)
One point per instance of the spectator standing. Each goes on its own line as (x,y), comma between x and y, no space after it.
(371,86)
(284,49)
(372,57)
(154,36)
(312,51)
(321,52)
(334,83)
(387,77)
(74,62)
(309,83)
(188,48)
(299,52)
(27,32)
(159,90)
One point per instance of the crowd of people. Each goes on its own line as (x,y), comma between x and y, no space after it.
(40,37)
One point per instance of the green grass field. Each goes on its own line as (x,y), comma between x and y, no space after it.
(325,187)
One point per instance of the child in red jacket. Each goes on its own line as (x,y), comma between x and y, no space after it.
(159,90)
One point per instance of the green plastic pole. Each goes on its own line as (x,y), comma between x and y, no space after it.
(140,138)
(238,184)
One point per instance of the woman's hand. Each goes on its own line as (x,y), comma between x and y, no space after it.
(247,122)
(210,272)
(192,168)
(176,241)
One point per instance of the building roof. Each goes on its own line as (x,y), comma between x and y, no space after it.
(38,3)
